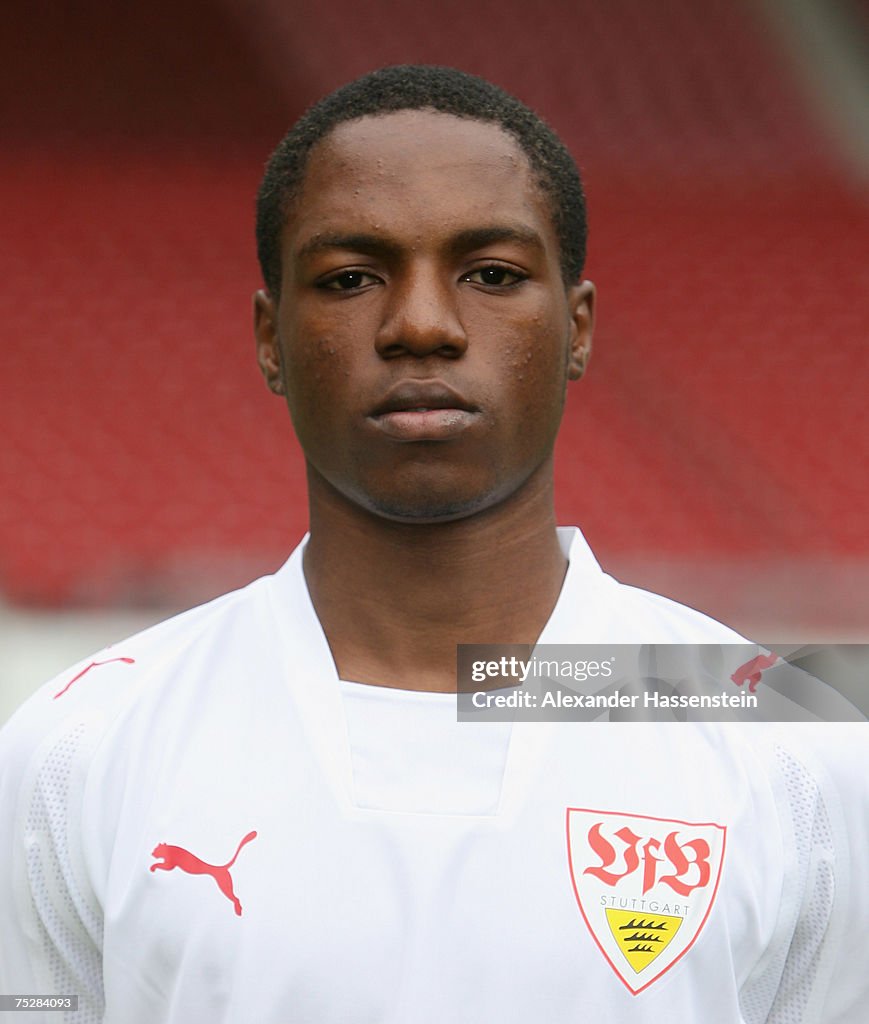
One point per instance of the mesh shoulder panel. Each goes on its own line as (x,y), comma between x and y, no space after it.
(784,994)
(67,919)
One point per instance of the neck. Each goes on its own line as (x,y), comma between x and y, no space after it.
(395,598)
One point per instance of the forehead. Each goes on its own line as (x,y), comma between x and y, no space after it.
(415,172)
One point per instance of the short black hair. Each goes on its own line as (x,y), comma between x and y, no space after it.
(422,87)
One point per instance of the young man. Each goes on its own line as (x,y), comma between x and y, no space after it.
(265,810)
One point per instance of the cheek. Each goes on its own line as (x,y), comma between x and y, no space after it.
(316,361)
(535,367)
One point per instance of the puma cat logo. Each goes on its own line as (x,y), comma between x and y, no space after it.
(86,669)
(177,857)
(752,670)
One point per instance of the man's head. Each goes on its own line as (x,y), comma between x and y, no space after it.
(421,87)
(420,326)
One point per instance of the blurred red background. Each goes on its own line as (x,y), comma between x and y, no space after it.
(717,449)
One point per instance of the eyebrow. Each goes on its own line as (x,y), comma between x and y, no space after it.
(374,244)
(380,245)
(479,238)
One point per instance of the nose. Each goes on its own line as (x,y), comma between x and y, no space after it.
(421,318)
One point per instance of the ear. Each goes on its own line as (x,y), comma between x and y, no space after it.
(581,301)
(268,346)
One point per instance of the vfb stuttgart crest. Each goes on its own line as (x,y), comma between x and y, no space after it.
(645,886)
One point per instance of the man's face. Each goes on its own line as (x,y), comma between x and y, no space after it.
(423,336)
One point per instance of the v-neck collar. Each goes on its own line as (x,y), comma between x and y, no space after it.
(310,671)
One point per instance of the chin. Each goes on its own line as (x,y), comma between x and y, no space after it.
(423,509)
(429,504)
(423,498)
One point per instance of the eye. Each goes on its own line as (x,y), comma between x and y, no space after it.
(348,281)
(494,276)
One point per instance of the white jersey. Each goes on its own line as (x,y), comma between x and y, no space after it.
(204,824)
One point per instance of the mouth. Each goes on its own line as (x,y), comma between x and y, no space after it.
(423,410)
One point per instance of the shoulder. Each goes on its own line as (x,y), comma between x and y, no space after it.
(670,621)
(84,700)
(117,708)
(833,758)
(600,607)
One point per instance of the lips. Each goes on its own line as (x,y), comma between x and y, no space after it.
(423,410)
(421,395)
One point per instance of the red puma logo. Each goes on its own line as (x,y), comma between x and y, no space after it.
(177,857)
(93,664)
(752,670)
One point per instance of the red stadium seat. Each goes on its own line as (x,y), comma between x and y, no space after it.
(724,415)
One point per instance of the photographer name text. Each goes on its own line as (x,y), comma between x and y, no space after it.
(650,700)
